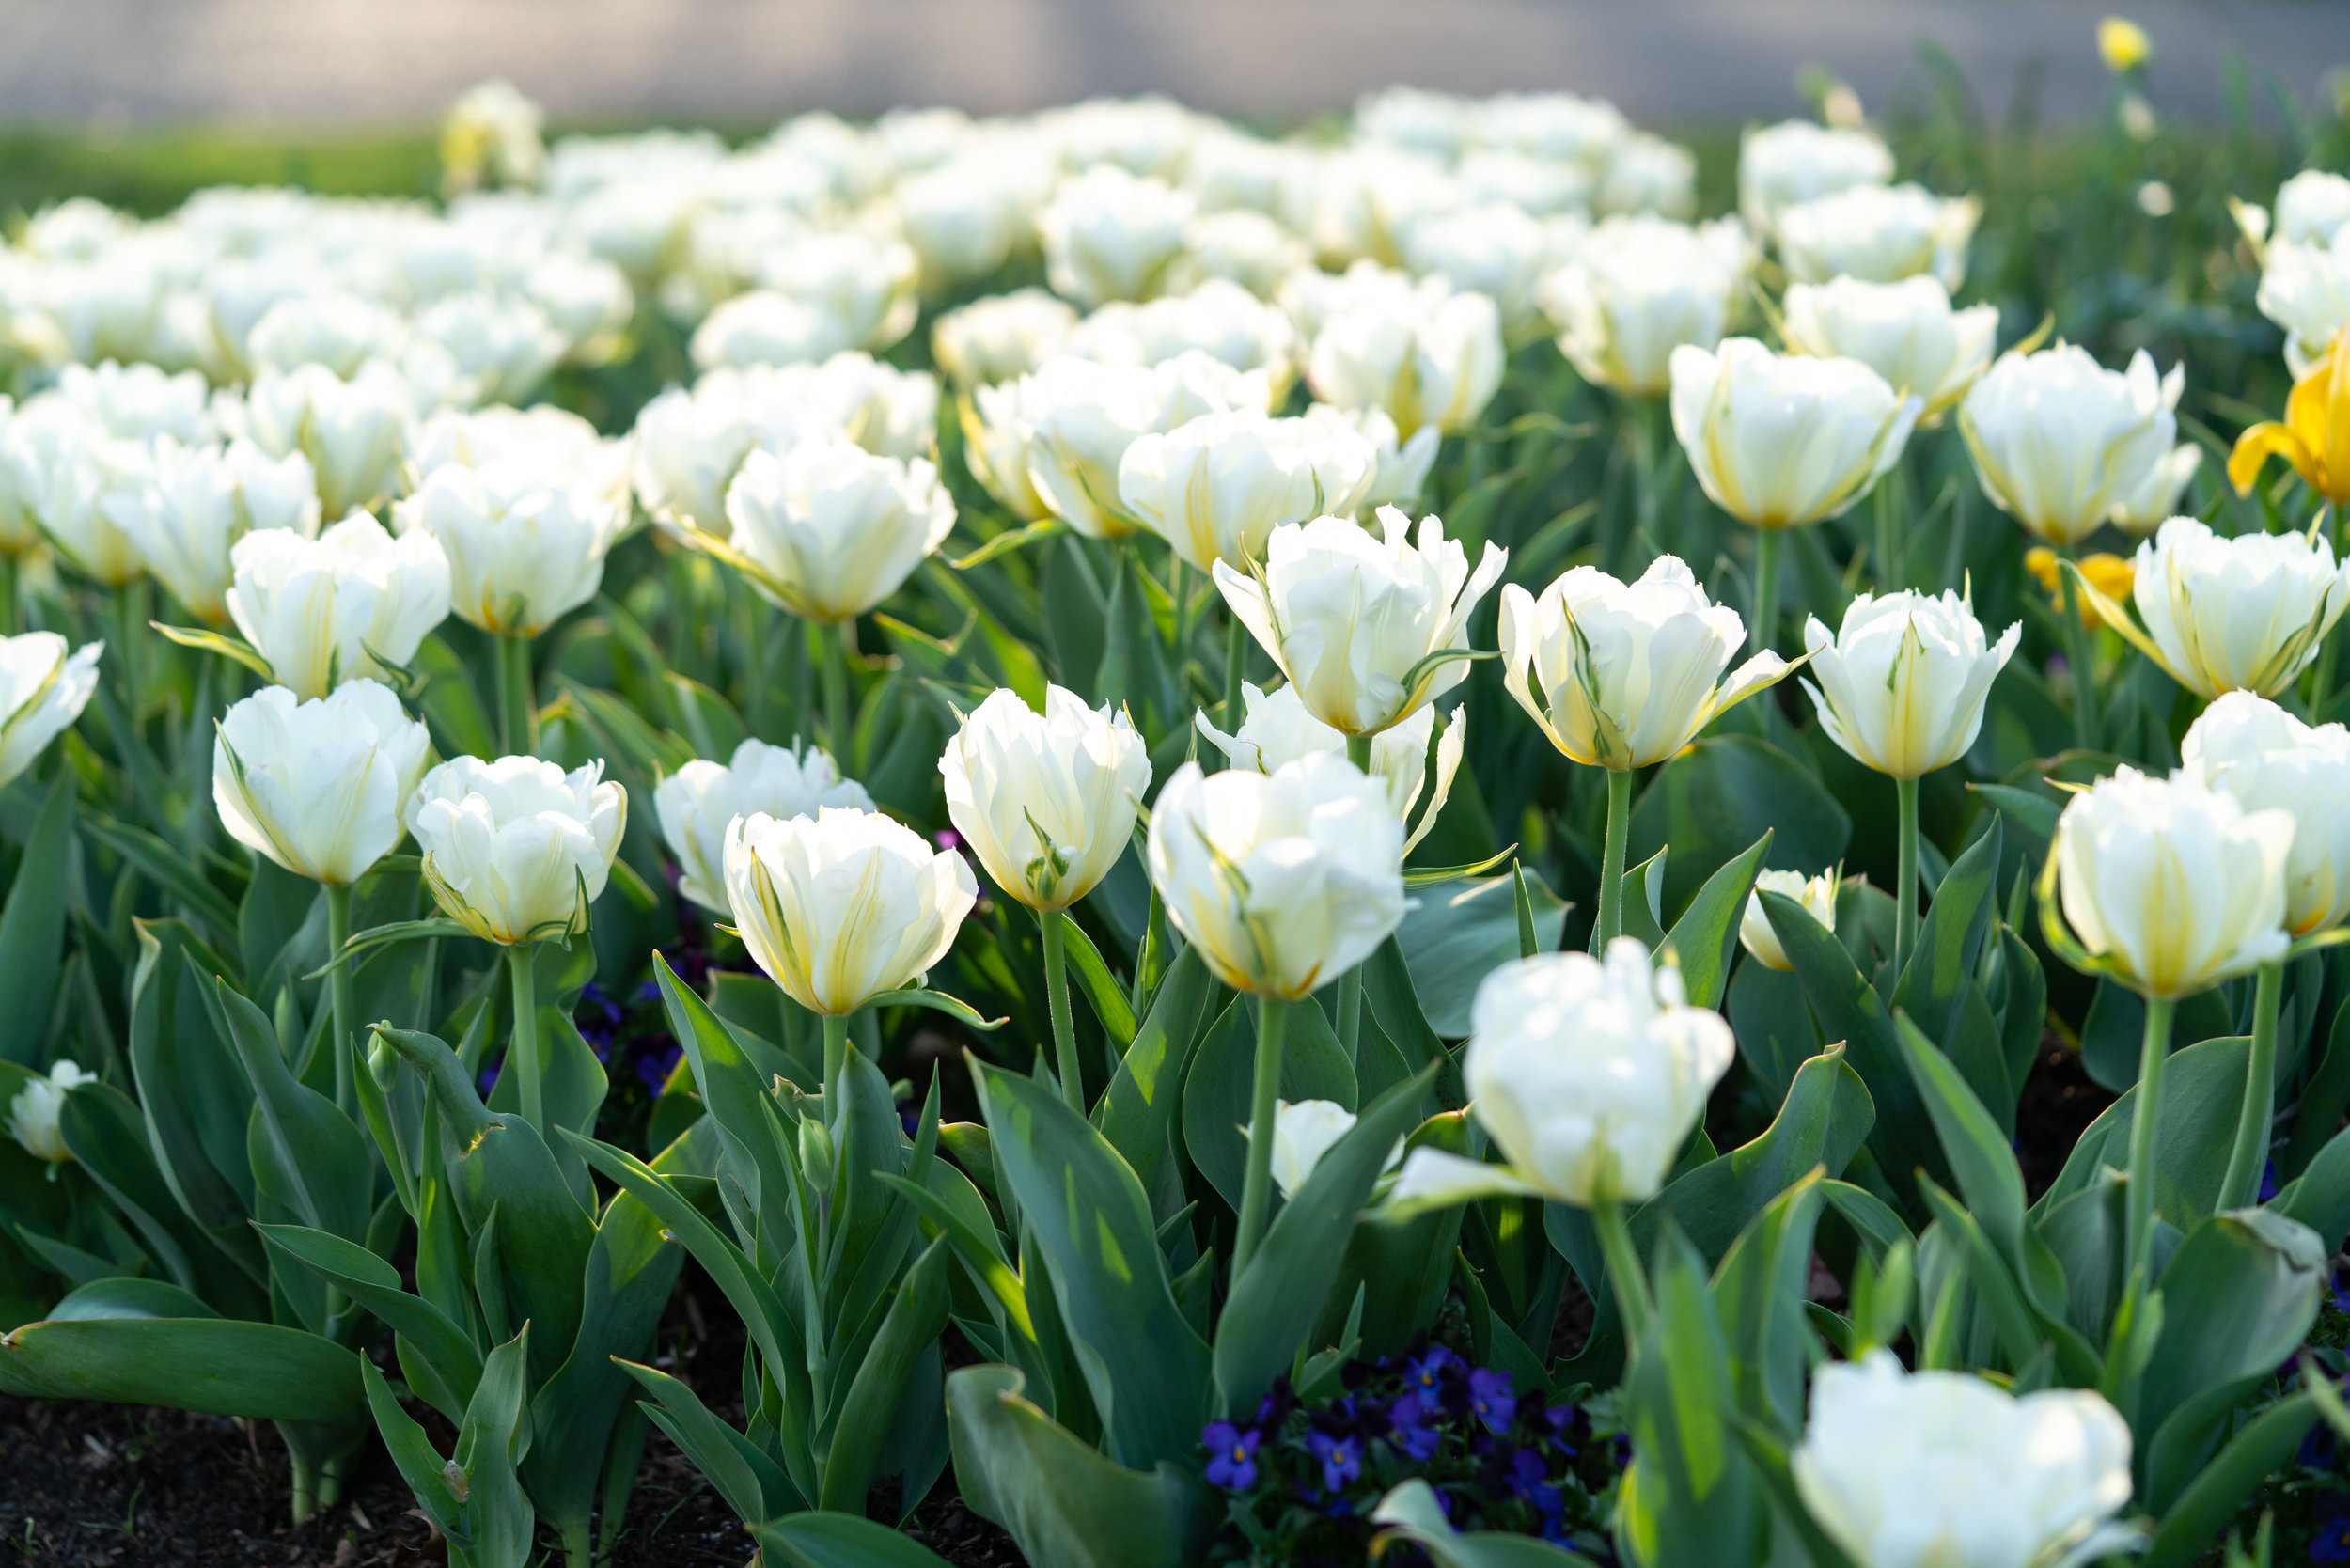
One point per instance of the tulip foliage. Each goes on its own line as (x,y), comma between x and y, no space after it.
(976,625)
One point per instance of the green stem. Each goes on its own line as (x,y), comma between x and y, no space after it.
(8,596)
(1611,856)
(338,993)
(1255,1193)
(1073,1083)
(2240,1188)
(2152,1056)
(1179,590)
(1351,983)
(1905,879)
(518,702)
(305,1486)
(833,663)
(2322,684)
(1888,502)
(132,601)
(1766,587)
(1235,654)
(836,1061)
(522,1054)
(2077,650)
(1624,1274)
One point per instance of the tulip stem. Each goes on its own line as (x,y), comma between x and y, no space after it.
(1073,1083)
(1235,654)
(1351,983)
(1256,1187)
(1611,856)
(1889,499)
(836,1061)
(832,659)
(2245,1160)
(2152,1056)
(133,601)
(518,703)
(1905,880)
(8,596)
(1624,1273)
(2077,653)
(522,1054)
(1765,585)
(339,994)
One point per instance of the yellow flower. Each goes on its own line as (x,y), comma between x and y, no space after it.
(2124,44)
(2111,575)
(2314,436)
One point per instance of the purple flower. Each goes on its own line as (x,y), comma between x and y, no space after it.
(1531,1480)
(1341,1458)
(647,993)
(487,1078)
(1232,1455)
(1491,1398)
(2269,1179)
(2342,1286)
(1408,1417)
(657,1062)
(2331,1543)
(1426,1371)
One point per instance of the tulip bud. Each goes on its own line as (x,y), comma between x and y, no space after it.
(1303,1132)
(317,787)
(42,689)
(318,611)
(1216,488)
(1621,676)
(1591,1072)
(1901,683)
(828,530)
(2174,885)
(34,1111)
(1817,894)
(515,850)
(1000,338)
(1282,882)
(1795,161)
(2063,444)
(1878,234)
(698,802)
(1110,236)
(1782,440)
(1902,1468)
(1363,627)
(2241,614)
(842,906)
(1047,802)
(1905,332)
(1275,730)
(1637,288)
(2254,750)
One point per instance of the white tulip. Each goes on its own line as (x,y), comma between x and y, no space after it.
(351,430)
(1637,287)
(1275,730)
(2311,207)
(889,411)
(524,545)
(35,1110)
(828,530)
(1778,441)
(588,301)
(493,131)
(1303,1132)
(1906,332)
(1623,675)
(1495,250)
(764,327)
(1243,247)
(1878,234)
(317,611)
(841,906)
(1221,320)
(2254,750)
(319,786)
(698,802)
(43,688)
(515,850)
(1795,161)
(139,403)
(1648,174)
(2061,444)
(184,507)
(1817,894)
(1942,1469)
(1433,358)
(996,430)
(1110,236)
(2241,614)
(1900,685)
(2305,288)
(62,466)
(1076,420)
(1363,626)
(1216,487)
(1283,882)
(554,440)
(504,347)
(963,217)
(2177,884)
(1400,472)
(1001,337)
(865,283)
(1047,800)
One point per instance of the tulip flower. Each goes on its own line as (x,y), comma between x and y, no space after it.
(63,464)
(1278,730)
(43,689)
(35,1110)
(2313,206)
(1001,337)
(1076,420)
(184,507)
(2168,886)
(1366,629)
(1906,332)
(351,430)
(319,612)
(1878,234)
(515,851)
(2314,437)
(1430,358)
(2109,574)
(1303,1132)
(995,431)
(1110,236)
(2123,45)
(698,802)
(1589,1073)
(1638,288)
(317,786)
(1219,319)
(1778,441)
(1901,688)
(1400,469)
(1904,1468)
(1216,488)
(2305,288)
(1623,675)
(1281,883)
(1796,161)
(1816,894)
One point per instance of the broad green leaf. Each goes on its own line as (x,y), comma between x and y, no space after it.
(1718,797)
(737,1468)
(1217,1089)
(2319,1198)
(1137,1110)
(445,1350)
(1760,1294)
(218,1366)
(1942,969)
(194,1097)
(2194,1521)
(1772,1022)
(1411,1513)
(1694,1497)
(171,871)
(107,1138)
(32,925)
(1459,934)
(1100,988)
(917,1317)
(2203,1090)
(1705,937)
(127,1297)
(839,1541)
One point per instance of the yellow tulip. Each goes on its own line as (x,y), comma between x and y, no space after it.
(2314,436)
(2124,44)
(2111,575)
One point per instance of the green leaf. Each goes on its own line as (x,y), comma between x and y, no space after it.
(444,1351)
(195,1099)
(1760,1294)
(1100,988)
(32,926)
(1411,1513)
(1144,1367)
(218,1366)
(2034,813)
(2319,1198)
(917,1317)
(937,1001)
(1064,1503)
(1458,936)
(127,1297)
(839,1541)
(1694,1498)
(2203,1090)
(1137,1110)
(737,1468)
(1718,797)
(307,1155)
(1217,1092)
(1706,938)
(169,870)
(107,1138)
(1942,969)
(2194,1521)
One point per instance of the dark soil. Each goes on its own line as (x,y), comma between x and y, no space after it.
(2059,1102)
